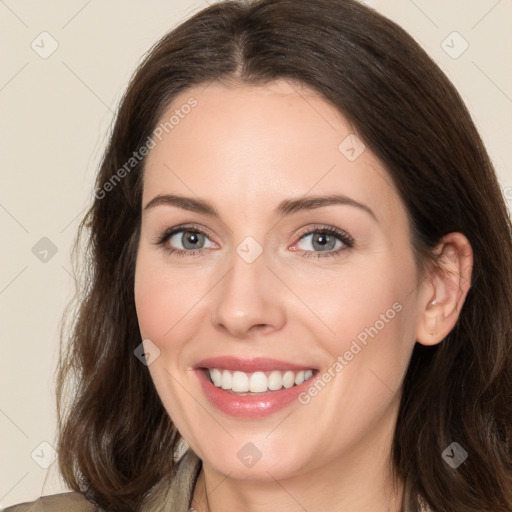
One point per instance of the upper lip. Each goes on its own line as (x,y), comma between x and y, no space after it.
(254,364)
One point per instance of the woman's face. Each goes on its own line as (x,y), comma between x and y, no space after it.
(272,269)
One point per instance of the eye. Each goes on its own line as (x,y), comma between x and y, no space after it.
(318,242)
(184,241)
(325,239)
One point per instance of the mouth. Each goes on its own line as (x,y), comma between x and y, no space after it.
(253,388)
(258,382)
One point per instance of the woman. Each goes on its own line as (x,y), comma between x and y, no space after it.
(301,274)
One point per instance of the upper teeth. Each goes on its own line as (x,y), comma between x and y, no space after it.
(257,382)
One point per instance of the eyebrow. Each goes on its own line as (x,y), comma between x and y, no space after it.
(286,207)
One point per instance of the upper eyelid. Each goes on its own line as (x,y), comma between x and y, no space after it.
(187,227)
(166,234)
(323,227)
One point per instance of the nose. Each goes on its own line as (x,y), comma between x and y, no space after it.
(249,299)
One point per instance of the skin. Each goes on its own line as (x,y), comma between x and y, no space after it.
(245,149)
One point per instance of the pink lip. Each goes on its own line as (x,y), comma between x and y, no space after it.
(262,364)
(250,406)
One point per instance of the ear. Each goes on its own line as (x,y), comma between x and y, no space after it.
(444,291)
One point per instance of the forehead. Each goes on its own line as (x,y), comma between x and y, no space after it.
(251,145)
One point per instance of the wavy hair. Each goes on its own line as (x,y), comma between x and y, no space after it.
(115,438)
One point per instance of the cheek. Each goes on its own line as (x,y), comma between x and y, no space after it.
(159,307)
(353,303)
(170,304)
(368,318)
(151,302)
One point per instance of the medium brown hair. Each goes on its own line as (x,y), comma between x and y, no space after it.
(116,440)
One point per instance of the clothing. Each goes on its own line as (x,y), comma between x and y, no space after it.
(171,495)
(63,502)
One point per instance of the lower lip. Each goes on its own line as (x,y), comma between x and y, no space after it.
(251,406)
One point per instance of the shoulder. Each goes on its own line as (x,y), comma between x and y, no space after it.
(63,502)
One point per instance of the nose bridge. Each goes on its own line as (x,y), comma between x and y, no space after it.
(249,295)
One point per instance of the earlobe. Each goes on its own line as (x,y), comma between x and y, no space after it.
(443,296)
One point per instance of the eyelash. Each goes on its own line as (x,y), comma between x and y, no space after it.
(341,235)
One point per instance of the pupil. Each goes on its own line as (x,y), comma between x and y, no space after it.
(191,238)
(323,240)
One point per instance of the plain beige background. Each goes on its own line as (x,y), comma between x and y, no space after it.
(56,112)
